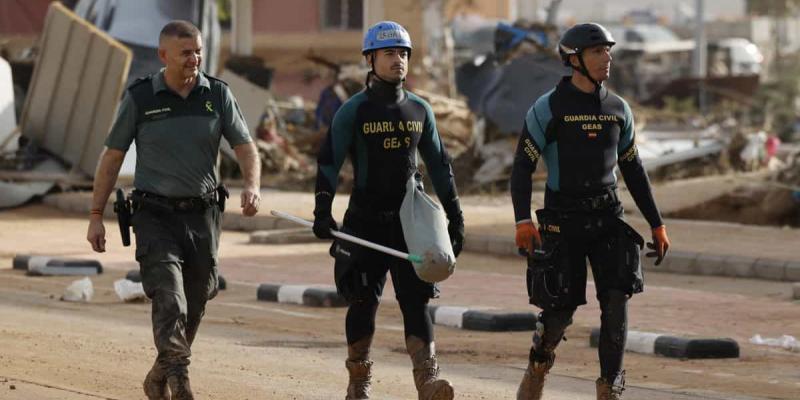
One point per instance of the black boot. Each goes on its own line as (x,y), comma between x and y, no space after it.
(155,384)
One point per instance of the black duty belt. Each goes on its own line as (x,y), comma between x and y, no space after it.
(601,202)
(377,216)
(176,204)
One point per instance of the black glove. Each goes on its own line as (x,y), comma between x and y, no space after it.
(323,225)
(455,228)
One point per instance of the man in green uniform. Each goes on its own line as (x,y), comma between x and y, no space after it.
(177,118)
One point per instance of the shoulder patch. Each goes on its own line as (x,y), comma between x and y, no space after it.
(214,78)
(140,80)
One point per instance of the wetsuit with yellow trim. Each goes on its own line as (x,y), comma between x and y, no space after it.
(381,129)
(583,137)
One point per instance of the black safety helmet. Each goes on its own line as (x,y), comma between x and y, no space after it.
(581,37)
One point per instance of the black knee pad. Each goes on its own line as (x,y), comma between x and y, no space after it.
(549,333)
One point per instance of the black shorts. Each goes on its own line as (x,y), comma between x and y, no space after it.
(569,239)
(360,272)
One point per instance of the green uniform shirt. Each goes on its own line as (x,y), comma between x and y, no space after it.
(177,139)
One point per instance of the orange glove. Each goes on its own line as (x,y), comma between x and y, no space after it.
(660,244)
(528,236)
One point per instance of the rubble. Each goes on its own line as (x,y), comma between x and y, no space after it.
(772,201)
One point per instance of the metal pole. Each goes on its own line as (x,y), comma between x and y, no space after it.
(700,49)
(242,27)
(340,235)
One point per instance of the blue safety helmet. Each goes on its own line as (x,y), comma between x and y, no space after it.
(386,34)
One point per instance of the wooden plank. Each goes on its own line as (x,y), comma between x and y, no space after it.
(113,84)
(88,98)
(64,102)
(46,74)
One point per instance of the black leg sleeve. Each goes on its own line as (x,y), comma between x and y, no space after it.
(360,321)
(613,333)
(417,320)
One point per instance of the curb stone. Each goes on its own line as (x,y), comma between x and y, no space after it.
(311,296)
(48,266)
(674,346)
(482,319)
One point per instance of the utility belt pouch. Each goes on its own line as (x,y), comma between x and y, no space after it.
(629,246)
(548,275)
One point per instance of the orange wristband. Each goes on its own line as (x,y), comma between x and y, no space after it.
(96,212)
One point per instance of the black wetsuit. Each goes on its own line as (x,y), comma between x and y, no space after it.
(582,138)
(381,129)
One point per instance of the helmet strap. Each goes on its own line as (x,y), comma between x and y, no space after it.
(585,71)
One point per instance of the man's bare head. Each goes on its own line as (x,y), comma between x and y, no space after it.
(180,48)
(178,29)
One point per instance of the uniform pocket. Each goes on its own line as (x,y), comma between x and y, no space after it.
(548,274)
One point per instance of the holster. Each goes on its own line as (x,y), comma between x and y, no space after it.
(123,209)
(222,196)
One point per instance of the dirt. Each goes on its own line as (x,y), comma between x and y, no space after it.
(254,350)
(754,205)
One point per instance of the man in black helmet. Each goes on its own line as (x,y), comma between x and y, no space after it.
(583,131)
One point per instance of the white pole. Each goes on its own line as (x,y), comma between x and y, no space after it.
(700,49)
(351,238)
(242,27)
(700,40)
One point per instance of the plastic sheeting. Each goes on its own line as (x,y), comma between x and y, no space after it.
(504,93)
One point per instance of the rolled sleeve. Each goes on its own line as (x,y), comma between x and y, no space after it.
(234,127)
(124,129)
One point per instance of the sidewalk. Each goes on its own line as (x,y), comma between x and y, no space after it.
(698,247)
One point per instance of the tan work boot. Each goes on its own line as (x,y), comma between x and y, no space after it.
(155,384)
(179,387)
(360,368)
(610,390)
(426,371)
(532,383)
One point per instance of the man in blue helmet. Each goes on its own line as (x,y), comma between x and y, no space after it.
(583,131)
(382,128)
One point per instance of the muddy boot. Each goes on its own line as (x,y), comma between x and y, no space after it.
(426,371)
(610,390)
(155,384)
(532,383)
(179,387)
(360,368)
(541,357)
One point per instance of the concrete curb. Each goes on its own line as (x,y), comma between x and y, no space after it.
(673,346)
(482,319)
(135,276)
(283,236)
(312,296)
(55,266)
